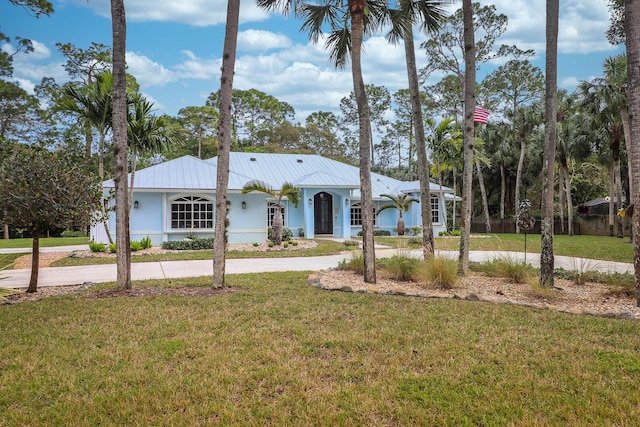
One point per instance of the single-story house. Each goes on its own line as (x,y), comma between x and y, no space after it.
(599,206)
(176,199)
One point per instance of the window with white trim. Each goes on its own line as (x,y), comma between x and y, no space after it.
(191,212)
(356,215)
(435,210)
(272,208)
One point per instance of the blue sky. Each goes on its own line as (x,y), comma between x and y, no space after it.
(174,49)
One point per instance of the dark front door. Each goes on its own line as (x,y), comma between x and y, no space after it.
(322,213)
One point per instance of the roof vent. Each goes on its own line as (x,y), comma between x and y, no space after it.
(299,160)
(253,159)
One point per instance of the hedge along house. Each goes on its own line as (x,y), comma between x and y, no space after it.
(176,199)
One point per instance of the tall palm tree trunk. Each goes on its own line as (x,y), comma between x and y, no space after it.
(356,9)
(421,148)
(548,172)
(469,90)
(483,194)
(503,190)
(224,137)
(561,193)
(120,147)
(567,185)
(35,261)
(523,150)
(632,17)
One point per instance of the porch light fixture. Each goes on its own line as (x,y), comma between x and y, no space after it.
(136,204)
(346,202)
(244,205)
(310,202)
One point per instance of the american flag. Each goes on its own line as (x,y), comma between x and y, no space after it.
(481,115)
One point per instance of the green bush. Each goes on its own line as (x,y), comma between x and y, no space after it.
(377,233)
(440,271)
(71,233)
(413,241)
(112,248)
(271,244)
(97,247)
(402,266)
(285,245)
(146,242)
(514,269)
(256,244)
(287,234)
(356,263)
(136,246)
(188,244)
(294,243)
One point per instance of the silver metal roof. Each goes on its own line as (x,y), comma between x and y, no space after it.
(302,170)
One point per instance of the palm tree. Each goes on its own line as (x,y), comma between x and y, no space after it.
(146,133)
(224,137)
(529,119)
(119,126)
(632,17)
(469,90)
(444,143)
(429,14)
(287,190)
(551,94)
(93,104)
(348,23)
(401,202)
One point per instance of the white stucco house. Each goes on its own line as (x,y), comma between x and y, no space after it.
(177,198)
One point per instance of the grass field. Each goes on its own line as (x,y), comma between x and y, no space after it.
(44,242)
(593,247)
(280,352)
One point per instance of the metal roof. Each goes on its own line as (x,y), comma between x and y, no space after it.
(414,187)
(301,170)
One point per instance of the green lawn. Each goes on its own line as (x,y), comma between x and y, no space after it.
(593,247)
(44,242)
(325,247)
(280,352)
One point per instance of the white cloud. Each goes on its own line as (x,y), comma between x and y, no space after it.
(191,12)
(198,68)
(148,72)
(260,41)
(582,25)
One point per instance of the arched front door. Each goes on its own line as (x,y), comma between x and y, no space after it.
(323,213)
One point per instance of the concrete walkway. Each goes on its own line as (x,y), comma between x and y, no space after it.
(58,276)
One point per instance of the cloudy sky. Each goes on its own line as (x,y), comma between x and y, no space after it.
(174,49)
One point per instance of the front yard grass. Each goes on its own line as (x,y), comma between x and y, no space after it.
(592,247)
(325,247)
(44,242)
(281,352)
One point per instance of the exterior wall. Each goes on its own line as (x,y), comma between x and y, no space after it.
(146,220)
(152,218)
(247,225)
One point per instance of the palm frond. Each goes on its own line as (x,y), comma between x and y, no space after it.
(260,186)
(339,45)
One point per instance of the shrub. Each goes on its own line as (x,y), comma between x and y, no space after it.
(455,232)
(256,244)
(516,270)
(71,233)
(287,234)
(189,245)
(414,231)
(112,248)
(135,246)
(271,244)
(285,245)
(355,264)
(97,247)
(402,266)
(377,233)
(351,243)
(440,271)
(146,242)
(294,243)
